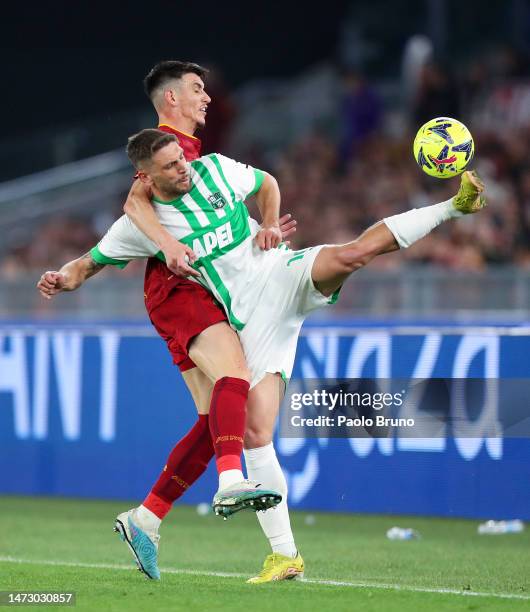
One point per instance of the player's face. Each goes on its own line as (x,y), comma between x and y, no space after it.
(170,172)
(193,99)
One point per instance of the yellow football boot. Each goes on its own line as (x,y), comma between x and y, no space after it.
(469,200)
(279,567)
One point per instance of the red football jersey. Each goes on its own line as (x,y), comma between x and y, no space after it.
(190,144)
(179,309)
(156,285)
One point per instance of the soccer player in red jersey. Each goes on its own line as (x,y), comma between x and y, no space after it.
(196,332)
(177,93)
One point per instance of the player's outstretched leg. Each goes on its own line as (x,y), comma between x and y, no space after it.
(244,495)
(334,264)
(141,540)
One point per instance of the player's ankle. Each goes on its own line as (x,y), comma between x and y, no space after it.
(227,478)
(156,505)
(287,549)
(147,518)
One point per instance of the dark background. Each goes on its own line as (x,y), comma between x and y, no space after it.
(90,58)
(64,61)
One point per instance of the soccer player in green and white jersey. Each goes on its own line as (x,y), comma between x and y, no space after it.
(266,294)
(177,92)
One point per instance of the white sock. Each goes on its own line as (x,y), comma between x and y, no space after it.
(230,477)
(262,465)
(410,226)
(147,518)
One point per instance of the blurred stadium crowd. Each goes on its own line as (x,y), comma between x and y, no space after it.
(380,180)
(337,183)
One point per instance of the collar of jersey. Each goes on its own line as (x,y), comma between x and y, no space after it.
(170,203)
(191,136)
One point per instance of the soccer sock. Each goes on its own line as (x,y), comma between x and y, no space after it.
(263,466)
(227,427)
(186,462)
(410,226)
(146,518)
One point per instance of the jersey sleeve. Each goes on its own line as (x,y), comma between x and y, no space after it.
(242,178)
(123,242)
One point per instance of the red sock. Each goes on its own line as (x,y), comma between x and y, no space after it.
(186,462)
(227,421)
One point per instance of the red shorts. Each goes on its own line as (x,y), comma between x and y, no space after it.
(179,309)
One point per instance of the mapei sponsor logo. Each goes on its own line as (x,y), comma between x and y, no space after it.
(220,238)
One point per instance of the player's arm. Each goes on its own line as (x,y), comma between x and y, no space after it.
(71,276)
(268,199)
(246,181)
(122,243)
(140,211)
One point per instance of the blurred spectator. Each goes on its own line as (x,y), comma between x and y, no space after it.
(360,113)
(57,241)
(418,51)
(437,94)
(221,114)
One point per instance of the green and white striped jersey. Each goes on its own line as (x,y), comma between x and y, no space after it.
(213,220)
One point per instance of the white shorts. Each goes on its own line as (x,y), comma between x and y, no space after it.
(270,336)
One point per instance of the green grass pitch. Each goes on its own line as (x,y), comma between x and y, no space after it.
(68,545)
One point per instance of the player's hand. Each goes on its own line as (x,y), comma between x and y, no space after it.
(51,283)
(179,257)
(269,237)
(287,227)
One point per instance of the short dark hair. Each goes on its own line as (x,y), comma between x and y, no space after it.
(168,70)
(142,146)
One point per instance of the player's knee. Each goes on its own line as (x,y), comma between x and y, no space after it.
(241,372)
(244,374)
(256,436)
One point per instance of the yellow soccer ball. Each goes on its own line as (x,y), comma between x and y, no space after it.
(443,147)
